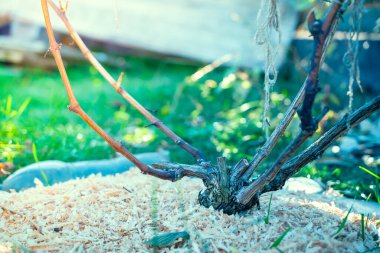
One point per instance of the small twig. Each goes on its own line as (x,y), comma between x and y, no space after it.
(119,80)
(62,8)
(152,124)
(5,232)
(5,168)
(125,188)
(4,172)
(210,67)
(47,52)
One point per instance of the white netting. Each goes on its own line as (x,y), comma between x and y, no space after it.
(268,23)
(351,57)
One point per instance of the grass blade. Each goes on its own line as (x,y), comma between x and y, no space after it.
(35,157)
(34,151)
(8,106)
(377,195)
(362,227)
(370,172)
(266,219)
(279,250)
(23,106)
(344,221)
(44,176)
(280,238)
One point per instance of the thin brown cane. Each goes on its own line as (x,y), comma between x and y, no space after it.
(199,156)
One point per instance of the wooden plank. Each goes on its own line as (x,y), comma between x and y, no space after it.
(198,29)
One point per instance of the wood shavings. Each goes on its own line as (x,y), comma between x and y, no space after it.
(97,214)
(5,168)
(25,218)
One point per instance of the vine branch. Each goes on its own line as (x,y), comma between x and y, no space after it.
(199,156)
(316,150)
(320,30)
(75,107)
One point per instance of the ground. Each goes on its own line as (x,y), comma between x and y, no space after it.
(122,212)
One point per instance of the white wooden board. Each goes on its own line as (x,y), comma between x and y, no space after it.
(198,29)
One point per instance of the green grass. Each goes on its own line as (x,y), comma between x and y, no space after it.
(377,177)
(353,182)
(280,238)
(266,219)
(363,227)
(216,114)
(62,135)
(375,186)
(342,224)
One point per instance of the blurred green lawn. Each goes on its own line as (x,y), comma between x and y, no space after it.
(59,134)
(220,114)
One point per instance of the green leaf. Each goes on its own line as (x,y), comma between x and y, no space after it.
(23,106)
(366,223)
(266,219)
(167,239)
(344,221)
(363,227)
(34,151)
(370,172)
(279,239)
(44,176)
(8,105)
(35,157)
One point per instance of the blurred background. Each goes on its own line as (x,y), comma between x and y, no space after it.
(165,49)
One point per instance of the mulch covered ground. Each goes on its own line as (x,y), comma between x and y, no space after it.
(121,213)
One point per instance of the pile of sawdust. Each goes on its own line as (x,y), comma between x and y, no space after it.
(120,213)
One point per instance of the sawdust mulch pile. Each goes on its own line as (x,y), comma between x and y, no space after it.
(121,213)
